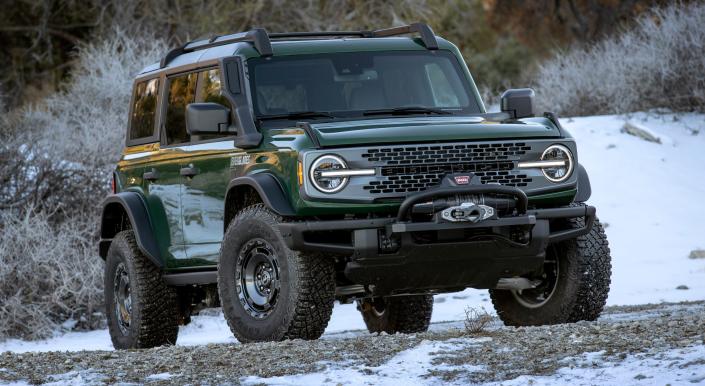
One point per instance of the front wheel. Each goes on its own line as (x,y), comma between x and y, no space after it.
(405,314)
(269,292)
(574,284)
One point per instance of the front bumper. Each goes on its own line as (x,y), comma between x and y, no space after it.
(439,266)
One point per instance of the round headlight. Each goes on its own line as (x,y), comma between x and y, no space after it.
(328,163)
(557,153)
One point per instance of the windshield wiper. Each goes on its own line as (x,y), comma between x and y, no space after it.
(409,110)
(296,115)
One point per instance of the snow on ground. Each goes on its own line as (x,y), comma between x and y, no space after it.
(416,366)
(673,367)
(648,194)
(651,196)
(406,368)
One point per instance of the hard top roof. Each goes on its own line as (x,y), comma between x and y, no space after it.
(258,43)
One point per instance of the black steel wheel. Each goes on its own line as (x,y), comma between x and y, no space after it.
(123,298)
(540,295)
(258,279)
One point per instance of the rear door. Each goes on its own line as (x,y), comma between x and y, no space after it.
(162,175)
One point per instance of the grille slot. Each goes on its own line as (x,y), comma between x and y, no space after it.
(416,168)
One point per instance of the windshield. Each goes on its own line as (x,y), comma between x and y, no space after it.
(358,84)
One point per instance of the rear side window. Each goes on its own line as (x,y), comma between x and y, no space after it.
(143,109)
(182,91)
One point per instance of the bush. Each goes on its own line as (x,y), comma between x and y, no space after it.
(657,64)
(50,274)
(56,159)
(476,320)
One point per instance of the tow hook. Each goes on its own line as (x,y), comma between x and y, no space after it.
(467,211)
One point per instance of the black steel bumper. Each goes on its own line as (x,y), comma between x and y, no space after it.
(439,266)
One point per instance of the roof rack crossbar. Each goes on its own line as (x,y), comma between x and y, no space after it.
(262,43)
(284,35)
(258,37)
(427,36)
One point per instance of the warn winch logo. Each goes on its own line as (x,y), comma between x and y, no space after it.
(462,180)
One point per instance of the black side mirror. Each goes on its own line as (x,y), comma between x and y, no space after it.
(207,118)
(518,103)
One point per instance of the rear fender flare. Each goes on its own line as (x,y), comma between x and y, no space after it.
(131,204)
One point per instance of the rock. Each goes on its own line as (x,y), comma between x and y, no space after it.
(640,131)
(697,254)
(682,287)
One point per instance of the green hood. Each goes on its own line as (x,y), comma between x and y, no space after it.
(428,129)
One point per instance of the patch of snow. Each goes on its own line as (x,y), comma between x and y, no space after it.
(159,377)
(69,324)
(205,329)
(412,366)
(674,367)
(83,377)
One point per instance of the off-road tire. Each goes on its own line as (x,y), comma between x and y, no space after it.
(154,314)
(307,283)
(581,290)
(404,314)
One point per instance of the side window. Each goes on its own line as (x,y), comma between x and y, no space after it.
(143,109)
(182,91)
(211,88)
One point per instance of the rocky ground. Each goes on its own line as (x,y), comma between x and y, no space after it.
(447,354)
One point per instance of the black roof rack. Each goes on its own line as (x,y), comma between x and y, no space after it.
(261,40)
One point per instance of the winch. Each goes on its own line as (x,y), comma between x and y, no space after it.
(460,208)
(467,211)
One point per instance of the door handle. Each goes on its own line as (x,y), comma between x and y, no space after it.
(151,175)
(189,171)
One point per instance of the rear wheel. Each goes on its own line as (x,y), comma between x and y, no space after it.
(141,309)
(405,314)
(574,285)
(269,292)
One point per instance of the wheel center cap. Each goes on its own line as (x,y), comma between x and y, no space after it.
(266,279)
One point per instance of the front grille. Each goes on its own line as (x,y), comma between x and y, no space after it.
(446,153)
(417,168)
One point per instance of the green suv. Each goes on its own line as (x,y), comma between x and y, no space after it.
(273,174)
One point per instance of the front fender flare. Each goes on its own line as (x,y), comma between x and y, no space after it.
(269,190)
(584,189)
(132,204)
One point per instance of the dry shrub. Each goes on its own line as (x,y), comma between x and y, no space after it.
(657,64)
(477,320)
(50,274)
(55,164)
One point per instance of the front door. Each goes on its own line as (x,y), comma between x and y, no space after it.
(204,166)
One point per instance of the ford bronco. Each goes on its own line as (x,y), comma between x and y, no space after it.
(272,174)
